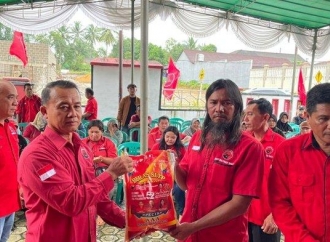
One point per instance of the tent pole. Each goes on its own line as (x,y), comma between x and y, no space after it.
(132,42)
(144,76)
(312,63)
(120,65)
(293,80)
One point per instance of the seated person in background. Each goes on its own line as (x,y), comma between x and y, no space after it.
(300,117)
(104,150)
(305,128)
(272,124)
(195,125)
(35,128)
(283,123)
(135,123)
(156,133)
(113,131)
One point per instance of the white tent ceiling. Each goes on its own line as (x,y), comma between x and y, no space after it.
(193,20)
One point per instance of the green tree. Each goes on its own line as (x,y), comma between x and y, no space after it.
(108,38)
(5,32)
(92,34)
(77,30)
(190,44)
(209,48)
(173,48)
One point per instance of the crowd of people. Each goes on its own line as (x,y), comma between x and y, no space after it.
(237,176)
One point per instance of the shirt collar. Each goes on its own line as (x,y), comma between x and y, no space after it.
(310,141)
(58,140)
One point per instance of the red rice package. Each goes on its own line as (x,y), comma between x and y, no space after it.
(148,191)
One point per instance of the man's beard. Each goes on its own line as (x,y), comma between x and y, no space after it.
(217,133)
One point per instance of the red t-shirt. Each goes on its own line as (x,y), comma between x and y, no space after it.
(91,108)
(213,177)
(28,108)
(61,192)
(104,147)
(259,208)
(9,149)
(299,190)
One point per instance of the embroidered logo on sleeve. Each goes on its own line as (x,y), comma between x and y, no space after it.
(46,172)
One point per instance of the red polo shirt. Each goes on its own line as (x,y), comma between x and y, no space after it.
(9,196)
(213,177)
(182,150)
(28,108)
(61,192)
(299,190)
(91,108)
(104,147)
(259,208)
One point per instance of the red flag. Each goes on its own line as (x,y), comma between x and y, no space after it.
(301,89)
(170,85)
(18,48)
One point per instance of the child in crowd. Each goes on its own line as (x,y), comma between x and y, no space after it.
(171,141)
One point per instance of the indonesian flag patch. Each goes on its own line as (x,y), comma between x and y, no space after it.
(46,172)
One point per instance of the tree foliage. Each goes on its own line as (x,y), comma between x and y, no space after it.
(75,45)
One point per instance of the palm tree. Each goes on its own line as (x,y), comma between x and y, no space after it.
(191,44)
(107,38)
(76,30)
(92,34)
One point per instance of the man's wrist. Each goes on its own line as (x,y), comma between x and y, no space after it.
(113,175)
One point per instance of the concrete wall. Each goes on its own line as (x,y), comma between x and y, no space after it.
(105,83)
(41,67)
(237,71)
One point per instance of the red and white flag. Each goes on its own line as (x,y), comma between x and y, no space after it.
(301,89)
(18,48)
(171,83)
(46,172)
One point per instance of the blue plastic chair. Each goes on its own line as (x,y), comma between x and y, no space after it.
(176,123)
(82,134)
(154,123)
(131,132)
(125,137)
(180,120)
(106,120)
(132,148)
(21,127)
(295,127)
(186,124)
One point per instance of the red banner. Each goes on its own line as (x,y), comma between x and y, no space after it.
(301,89)
(171,84)
(18,48)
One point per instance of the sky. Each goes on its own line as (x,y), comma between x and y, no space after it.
(224,40)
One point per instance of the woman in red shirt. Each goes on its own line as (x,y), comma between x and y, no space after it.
(171,141)
(104,150)
(35,128)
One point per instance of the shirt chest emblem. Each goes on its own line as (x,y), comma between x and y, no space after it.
(226,156)
(269,150)
(84,153)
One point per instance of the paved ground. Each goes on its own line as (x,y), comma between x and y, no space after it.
(105,233)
